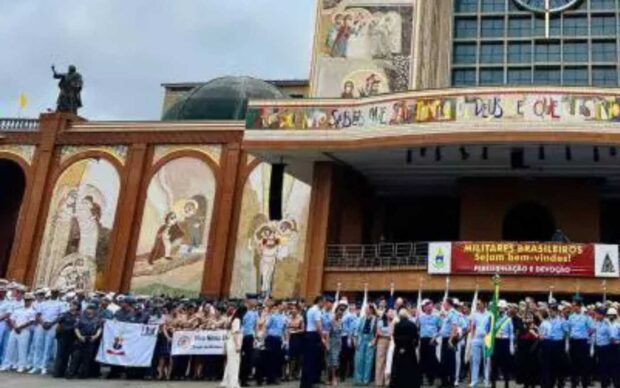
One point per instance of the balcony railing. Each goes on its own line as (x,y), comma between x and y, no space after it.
(378,256)
(18,125)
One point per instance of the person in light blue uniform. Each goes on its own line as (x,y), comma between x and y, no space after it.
(365,346)
(248,329)
(612,315)
(347,351)
(480,327)
(275,327)
(449,338)
(553,331)
(311,362)
(603,340)
(501,359)
(580,327)
(429,324)
(5,312)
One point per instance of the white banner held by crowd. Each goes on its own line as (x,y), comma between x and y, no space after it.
(127,344)
(194,343)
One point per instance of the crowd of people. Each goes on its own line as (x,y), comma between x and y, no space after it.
(388,342)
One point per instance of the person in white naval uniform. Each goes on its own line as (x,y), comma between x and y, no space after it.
(48,314)
(16,355)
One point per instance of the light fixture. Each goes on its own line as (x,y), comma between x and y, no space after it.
(464,153)
(485,153)
(423,152)
(409,156)
(595,154)
(613,152)
(569,153)
(541,153)
(437,154)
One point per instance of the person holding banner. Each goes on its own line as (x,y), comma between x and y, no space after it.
(233,350)
(87,332)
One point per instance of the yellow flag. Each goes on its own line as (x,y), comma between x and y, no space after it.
(23,101)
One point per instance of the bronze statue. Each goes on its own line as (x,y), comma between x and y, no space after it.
(70,85)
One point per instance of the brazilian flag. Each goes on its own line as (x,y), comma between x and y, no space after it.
(489,339)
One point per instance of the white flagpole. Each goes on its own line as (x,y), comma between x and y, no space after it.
(550,298)
(364,301)
(470,335)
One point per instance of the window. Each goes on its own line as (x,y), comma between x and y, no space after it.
(554,26)
(519,76)
(491,76)
(604,51)
(492,53)
(466,28)
(576,76)
(492,28)
(464,77)
(575,25)
(464,53)
(603,4)
(519,27)
(464,6)
(576,52)
(493,6)
(604,76)
(547,52)
(547,76)
(603,25)
(520,52)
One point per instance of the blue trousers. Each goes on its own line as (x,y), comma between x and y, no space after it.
(364,359)
(43,346)
(477,358)
(4,338)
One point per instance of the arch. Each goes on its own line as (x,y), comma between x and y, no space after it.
(528,221)
(75,242)
(12,172)
(182,204)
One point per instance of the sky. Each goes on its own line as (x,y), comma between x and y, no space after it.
(125,49)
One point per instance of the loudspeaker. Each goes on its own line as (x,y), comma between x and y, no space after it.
(517,159)
(275,191)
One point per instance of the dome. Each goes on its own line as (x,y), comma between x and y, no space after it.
(223,98)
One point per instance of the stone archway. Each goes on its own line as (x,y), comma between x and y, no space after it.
(528,221)
(11,195)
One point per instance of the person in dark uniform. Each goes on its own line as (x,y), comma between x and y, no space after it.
(65,337)
(405,372)
(313,341)
(87,331)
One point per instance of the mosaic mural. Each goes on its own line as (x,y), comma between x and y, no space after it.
(118,152)
(269,253)
(24,151)
(213,151)
(79,222)
(175,228)
(363,48)
(469,108)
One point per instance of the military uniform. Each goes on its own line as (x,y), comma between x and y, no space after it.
(429,330)
(65,335)
(448,349)
(16,354)
(579,327)
(85,348)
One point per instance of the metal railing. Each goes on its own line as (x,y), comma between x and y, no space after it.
(18,125)
(377,256)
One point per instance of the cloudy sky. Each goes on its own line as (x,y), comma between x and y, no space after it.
(126,49)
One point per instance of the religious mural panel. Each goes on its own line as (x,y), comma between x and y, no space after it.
(77,231)
(363,47)
(175,229)
(269,253)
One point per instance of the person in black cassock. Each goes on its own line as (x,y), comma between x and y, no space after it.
(405,371)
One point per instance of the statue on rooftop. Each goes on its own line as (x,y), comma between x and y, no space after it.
(70,85)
